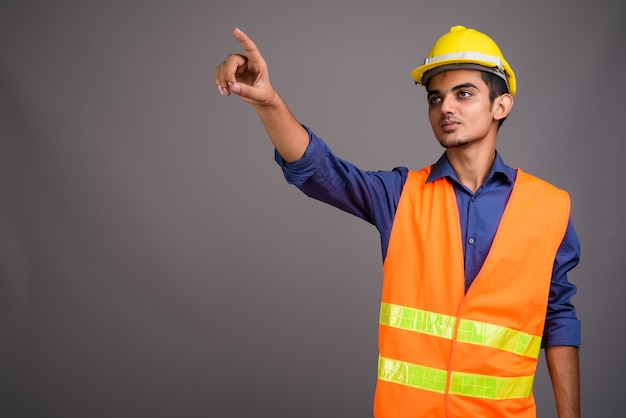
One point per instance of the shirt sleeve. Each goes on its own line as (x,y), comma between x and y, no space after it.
(371,195)
(562,325)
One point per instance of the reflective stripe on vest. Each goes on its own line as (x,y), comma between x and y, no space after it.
(470,332)
(465,384)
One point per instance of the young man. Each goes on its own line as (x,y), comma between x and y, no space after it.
(476,253)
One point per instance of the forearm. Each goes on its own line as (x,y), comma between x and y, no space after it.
(287,134)
(563,367)
(247,77)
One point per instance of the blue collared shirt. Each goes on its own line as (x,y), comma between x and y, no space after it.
(374,196)
(479,212)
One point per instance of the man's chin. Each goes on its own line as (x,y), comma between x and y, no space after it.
(453,142)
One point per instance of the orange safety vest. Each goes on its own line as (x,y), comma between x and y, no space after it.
(447,353)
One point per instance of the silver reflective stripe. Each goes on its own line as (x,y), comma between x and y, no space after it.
(467,55)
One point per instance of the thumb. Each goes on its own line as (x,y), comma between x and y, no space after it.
(248,93)
(234,87)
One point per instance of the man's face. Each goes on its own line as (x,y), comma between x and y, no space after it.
(459,109)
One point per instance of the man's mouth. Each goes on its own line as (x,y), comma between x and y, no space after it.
(449,124)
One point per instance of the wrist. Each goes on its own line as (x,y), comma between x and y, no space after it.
(271,104)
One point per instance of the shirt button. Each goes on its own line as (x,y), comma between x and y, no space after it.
(471,240)
(473,198)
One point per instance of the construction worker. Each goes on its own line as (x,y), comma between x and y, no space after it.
(476,253)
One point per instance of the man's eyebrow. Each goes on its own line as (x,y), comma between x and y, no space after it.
(455,88)
(465,86)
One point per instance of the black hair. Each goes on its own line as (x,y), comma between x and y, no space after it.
(497,87)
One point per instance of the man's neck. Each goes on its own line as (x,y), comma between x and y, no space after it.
(472,164)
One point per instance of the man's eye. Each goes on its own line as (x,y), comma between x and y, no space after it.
(434,100)
(465,94)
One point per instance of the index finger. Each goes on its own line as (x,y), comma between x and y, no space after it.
(252,52)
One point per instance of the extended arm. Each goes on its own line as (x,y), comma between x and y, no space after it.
(247,76)
(563,367)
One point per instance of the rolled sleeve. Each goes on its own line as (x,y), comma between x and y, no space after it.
(299,171)
(562,331)
(562,325)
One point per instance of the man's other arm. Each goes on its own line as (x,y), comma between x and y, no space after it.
(562,362)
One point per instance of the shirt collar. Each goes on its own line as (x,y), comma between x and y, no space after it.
(443,168)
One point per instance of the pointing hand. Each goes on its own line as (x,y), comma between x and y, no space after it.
(245,75)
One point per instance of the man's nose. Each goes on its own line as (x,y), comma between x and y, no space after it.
(447,105)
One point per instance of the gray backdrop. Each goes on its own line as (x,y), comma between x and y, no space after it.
(154,263)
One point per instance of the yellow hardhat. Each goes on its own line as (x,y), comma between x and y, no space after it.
(463,48)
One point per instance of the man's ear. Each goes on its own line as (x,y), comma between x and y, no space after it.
(502,106)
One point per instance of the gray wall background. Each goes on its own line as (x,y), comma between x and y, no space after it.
(153,262)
